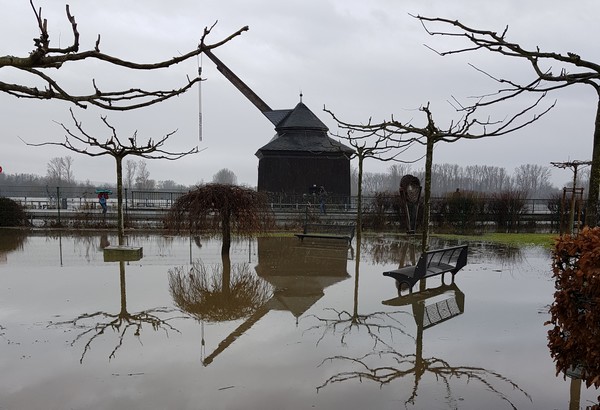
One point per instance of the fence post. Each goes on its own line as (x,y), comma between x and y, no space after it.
(58,203)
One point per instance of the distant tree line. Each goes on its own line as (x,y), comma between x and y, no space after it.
(60,173)
(531,179)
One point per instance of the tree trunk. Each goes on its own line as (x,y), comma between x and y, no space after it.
(120,221)
(123,313)
(359,200)
(427,199)
(226,232)
(591,211)
(226,279)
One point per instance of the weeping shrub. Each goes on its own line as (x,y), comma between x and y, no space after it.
(214,208)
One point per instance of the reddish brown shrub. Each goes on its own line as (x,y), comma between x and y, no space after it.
(574,339)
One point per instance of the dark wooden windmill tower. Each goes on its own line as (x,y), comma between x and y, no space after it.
(301,155)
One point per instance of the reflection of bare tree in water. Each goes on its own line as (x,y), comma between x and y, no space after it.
(384,366)
(399,365)
(385,251)
(345,322)
(94,325)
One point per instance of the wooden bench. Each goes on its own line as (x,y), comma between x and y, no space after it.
(431,263)
(327,231)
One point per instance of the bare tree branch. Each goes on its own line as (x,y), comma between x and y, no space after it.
(80,141)
(414,365)
(44,57)
(570,69)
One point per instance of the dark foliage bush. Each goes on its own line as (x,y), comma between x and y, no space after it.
(383,203)
(11,213)
(460,210)
(574,340)
(506,208)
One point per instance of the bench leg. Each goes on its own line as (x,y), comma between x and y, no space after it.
(402,286)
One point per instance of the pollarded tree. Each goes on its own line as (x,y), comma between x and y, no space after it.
(570,69)
(394,133)
(44,59)
(369,144)
(220,208)
(80,141)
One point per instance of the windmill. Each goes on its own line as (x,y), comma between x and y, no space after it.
(301,154)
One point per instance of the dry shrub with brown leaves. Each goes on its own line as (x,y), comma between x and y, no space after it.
(575,338)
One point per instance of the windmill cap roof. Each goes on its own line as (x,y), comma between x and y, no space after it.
(299,118)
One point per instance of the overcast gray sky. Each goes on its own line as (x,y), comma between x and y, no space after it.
(358,58)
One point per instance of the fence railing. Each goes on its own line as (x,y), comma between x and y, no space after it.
(75,198)
(80,206)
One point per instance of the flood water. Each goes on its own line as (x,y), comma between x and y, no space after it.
(294,325)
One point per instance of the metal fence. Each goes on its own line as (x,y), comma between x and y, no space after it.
(76,198)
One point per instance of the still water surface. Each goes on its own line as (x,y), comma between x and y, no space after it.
(307,329)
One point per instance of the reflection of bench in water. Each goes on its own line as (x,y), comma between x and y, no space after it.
(327,231)
(431,263)
(433,306)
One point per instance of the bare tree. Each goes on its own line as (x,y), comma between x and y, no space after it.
(44,58)
(486,178)
(68,168)
(533,179)
(394,133)
(59,170)
(80,141)
(395,173)
(225,176)
(169,184)
(569,69)
(142,180)
(54,170)
(130,173)
(373,182)
(369,143)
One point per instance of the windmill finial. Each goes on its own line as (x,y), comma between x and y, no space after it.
(300,95)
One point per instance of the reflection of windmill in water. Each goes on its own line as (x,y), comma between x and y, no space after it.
(297,272)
